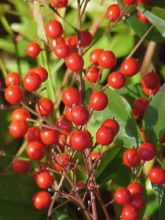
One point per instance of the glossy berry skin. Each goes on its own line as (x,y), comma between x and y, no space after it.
(53,29)
(116,80)
(20,114)
(107,59)
(79,115)
(71,97)
(14,95)
(33,49)
(42,72)
(21,166)
(144,2)
(150,80)
(61,50)
(44,107)
(59,3)
(32,82)
(149,92)
(142,18)
(44,180)
(86,38)
(74,62)
(93,57)
(12,79)
(137,201)
(113,12)
(157,175)
(68,111)
(49,136)
(129,2)
(93,74)
(80,140)
(122,196)
(140,105)
(33,134)
(135,188)
(104,135)
(64,124)
(41,200)
(131,158)
(18,129)
(129,212)
(130,67)
(113,124)
(146,151)
(71,42)
(98,101)
(35,150)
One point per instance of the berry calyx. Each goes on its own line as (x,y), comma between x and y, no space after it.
(98,101)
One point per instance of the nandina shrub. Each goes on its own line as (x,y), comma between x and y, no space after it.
(82,110)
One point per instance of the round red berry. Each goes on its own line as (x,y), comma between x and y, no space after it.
(107,59)
(93,74)
(137,201)
(86,38)
(150,80)
(33,134)
(142,18)
(33,49)
(140,105)
(71,42)
(44,180)
(68,111)
(12,79)
(79,115)
(42,72)
(146,151)
(131,158)
(20,114)
(59,3)
(157,175)
(21,166)
(61,50)
(18,129)
(130,67)
(135,188)
(129,212)
(35,150)
(93,57)
(14,94)
(53,29)
(113,12)
(64,124)
(98,101)
(113,124)
(122,196)
(104,135)
(31,82)
(41,200)
(149,92)
(129,2)
(74,62)
(71,97)
(49,136)
(143,2)
(44,107)
(116,80)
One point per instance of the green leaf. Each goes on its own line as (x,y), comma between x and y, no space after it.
(154,117)
(118,108)
(16,192)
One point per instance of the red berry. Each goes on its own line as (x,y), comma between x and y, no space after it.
(150,80)
(135,188)
(116,80)
(14,94)
(21,166)
(104,135)
(44,180)
(137,201)
(64,124)
(12,79)
(42,72)
(33,134)
(149,92)
(98,101)
(63,159)
(44,107)
(33,49)
(129,2)
(122,196)
(61,50)
(35,150)
(80,140)
(140,105)
(113,12)
(20,114)
(143,2)
(68,111)
(142,18)
(86,38)
(53,29)
(131,158)
(41,200)
(113,124)
(157,175)
(93,74)
(71,42)
(74,62)
(49,136)
(107,59)
(146,151)
(93,57)
(95,155)
(71,97)
(31,82)
(130,67)
(59,3)
(129,212)
(79,115)
(18,129)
